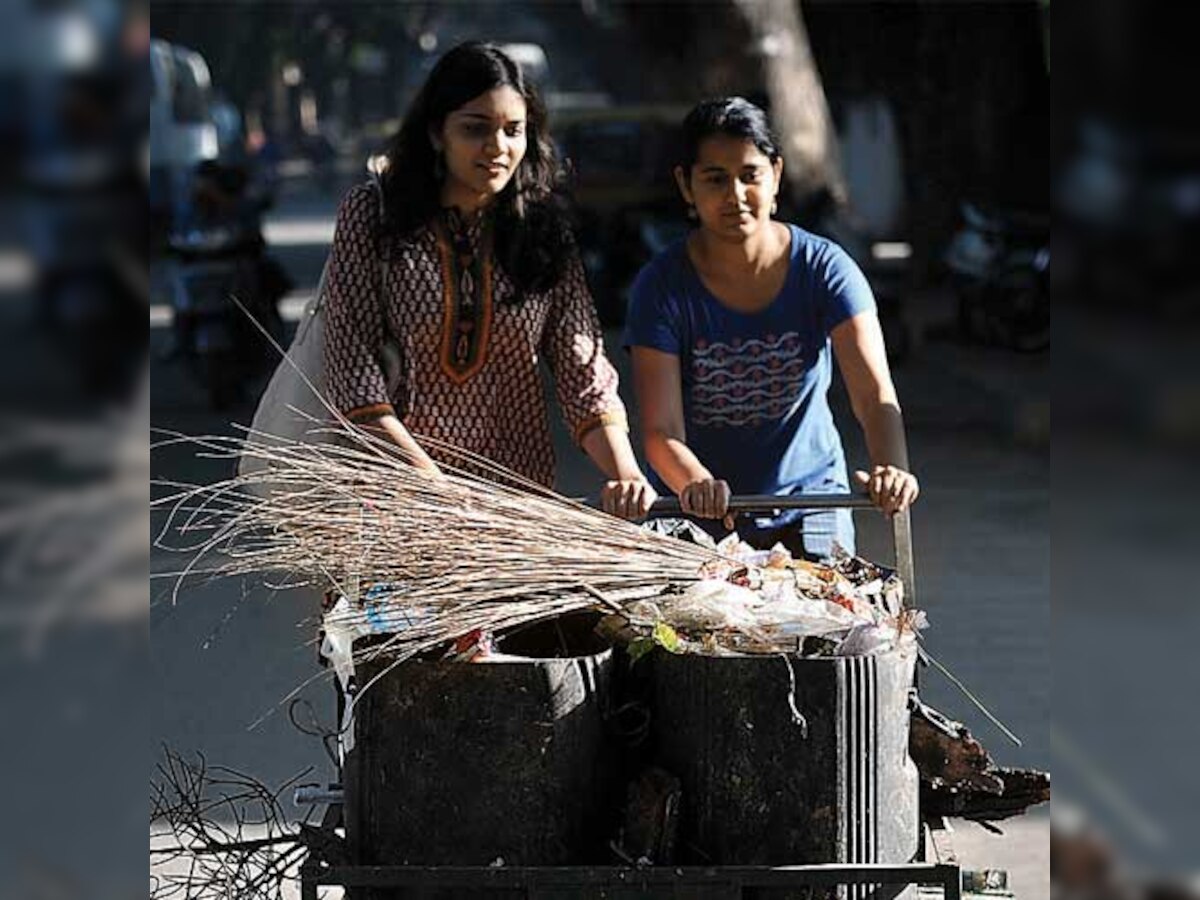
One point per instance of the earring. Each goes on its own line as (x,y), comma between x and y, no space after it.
(774,207)
(691,212)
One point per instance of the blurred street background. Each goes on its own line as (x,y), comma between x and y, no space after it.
(155,154)
(920,113)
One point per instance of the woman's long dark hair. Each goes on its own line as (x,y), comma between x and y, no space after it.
(532,230)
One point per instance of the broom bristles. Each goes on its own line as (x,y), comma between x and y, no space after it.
(477,547)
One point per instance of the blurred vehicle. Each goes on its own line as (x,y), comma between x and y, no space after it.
(999,262)
(84,197)
(620,161)
(872,158)
(1129,202)
(230,129)
(886,266)
(183,131)
(214,254)
(208,205)
(871,226)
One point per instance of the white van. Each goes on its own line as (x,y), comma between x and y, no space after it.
(182,130)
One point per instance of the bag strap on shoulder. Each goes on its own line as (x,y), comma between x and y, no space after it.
(376,172)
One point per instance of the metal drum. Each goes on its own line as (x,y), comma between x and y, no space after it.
(490,763)
(762,787)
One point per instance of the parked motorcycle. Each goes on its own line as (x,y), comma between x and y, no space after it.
(216,255)
(999,264)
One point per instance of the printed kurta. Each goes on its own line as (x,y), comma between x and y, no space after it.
(469,372)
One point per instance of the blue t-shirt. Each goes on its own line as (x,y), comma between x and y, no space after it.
(755,385)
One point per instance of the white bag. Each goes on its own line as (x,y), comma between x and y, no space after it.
(293,407)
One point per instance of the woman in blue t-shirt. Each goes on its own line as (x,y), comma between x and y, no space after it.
(731,330)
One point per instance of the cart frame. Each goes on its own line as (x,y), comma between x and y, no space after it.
(619,883)
(630,882)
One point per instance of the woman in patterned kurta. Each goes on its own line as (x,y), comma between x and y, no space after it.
(468,268)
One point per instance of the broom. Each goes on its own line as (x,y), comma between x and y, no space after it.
(476,547)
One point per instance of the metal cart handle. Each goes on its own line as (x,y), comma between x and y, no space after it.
(765,503)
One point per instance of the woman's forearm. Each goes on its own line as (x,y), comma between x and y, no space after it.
(674,461)
(391,428)
(890,483)
(883,429)
(609,448)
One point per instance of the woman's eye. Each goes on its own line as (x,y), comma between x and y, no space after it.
(515,130)
(752,178)
(475,129)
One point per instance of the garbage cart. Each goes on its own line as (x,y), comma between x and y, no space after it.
(503,781)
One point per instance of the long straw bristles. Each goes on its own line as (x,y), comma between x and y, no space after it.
(477,546)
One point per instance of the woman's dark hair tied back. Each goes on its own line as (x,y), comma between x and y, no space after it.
(532,227)
(731,116)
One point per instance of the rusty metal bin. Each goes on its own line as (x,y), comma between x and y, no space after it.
(761,789)
(757,789)
(485,763)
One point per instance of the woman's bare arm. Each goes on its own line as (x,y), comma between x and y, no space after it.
(862,358)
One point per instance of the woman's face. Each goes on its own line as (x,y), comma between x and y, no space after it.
(732,184)
(483,142)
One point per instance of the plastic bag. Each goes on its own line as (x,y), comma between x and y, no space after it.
(711,605)
(802,617)
(867,640)
(683,529)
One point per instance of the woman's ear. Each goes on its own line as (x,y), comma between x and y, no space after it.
(778,167)
(435,139)
(681,180)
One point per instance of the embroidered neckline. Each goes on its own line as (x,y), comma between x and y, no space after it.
(464,227)
(465,248)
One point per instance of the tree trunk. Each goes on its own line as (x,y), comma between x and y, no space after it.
(799,109)
(746,47)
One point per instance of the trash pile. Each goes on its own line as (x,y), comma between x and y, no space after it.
(765,601)
(747,601)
